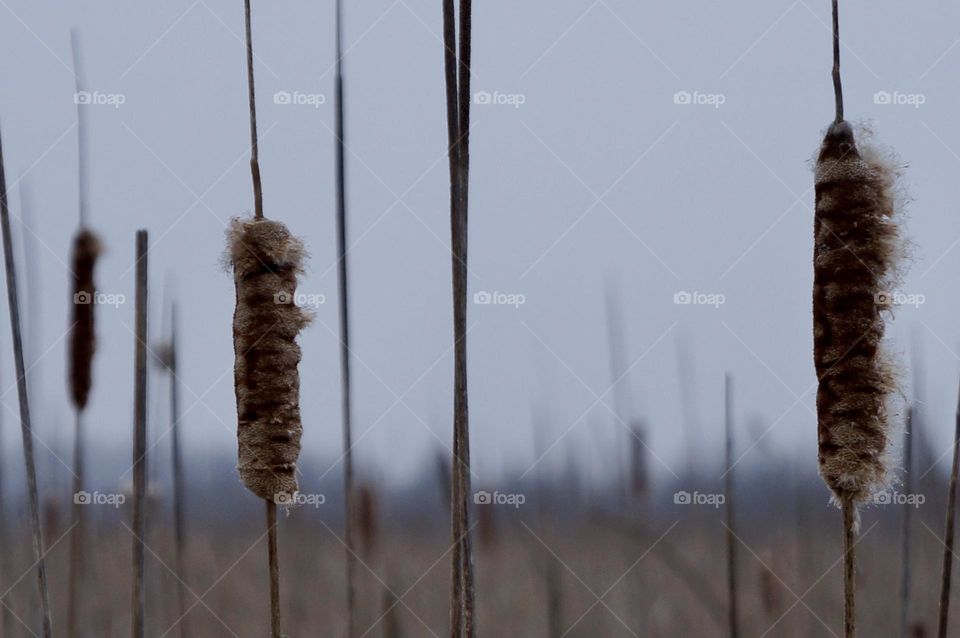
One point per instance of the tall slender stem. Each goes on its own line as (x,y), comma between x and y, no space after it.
(849,568)
(82,147)
(78,533)
(344,317)
(179,484)
(140,438)
(25,427)
(731,520)
(274,570)
(837,88)
(949,533)
(251,96)
(906,528)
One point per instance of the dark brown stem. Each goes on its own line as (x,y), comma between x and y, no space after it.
(731,520)
(849,567)
(25,428)
(179,483)
(949,533)
(274,570)
(77,538)
(344,317)
(140,438)
(837,88)
(251,96)
(906,529)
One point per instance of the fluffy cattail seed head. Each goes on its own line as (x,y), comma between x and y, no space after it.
(856,254)
(82,344)
(267,261)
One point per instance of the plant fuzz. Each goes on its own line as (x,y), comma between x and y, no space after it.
(855,263)
(267,260)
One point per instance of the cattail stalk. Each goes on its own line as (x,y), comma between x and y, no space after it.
(344,319)
(140,438)
(457,76)
(906,529)
(82,344)
(855,262)
(179,482)
(267,261)
(26,429)
(950,530)
(731,520)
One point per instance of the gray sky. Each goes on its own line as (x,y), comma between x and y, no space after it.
(584,167)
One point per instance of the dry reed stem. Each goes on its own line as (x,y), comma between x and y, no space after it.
(26,429)
(140,438)
(179,481)
(344,324)
(949,532)
(267,261)
(274,570)
(252,101)
(906,528)
(731,520)
(849,567)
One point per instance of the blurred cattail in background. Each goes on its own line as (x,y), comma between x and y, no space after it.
(81,343)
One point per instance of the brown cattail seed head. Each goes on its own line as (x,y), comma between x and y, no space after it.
(267,261)
(82,344)
(856,247)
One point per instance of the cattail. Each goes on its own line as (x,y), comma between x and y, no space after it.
(267,261)
(855,258)
(855,264)
(367,519)
(86,250)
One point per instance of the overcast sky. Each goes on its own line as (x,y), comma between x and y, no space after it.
(662,147)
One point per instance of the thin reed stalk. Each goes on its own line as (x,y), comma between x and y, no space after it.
(906,529)
(457,77)
(26,429)
(344,319)
(179,481)
(849,567)
(274,570)
(138,607)
(252,103)
(731,519)
(949,532)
